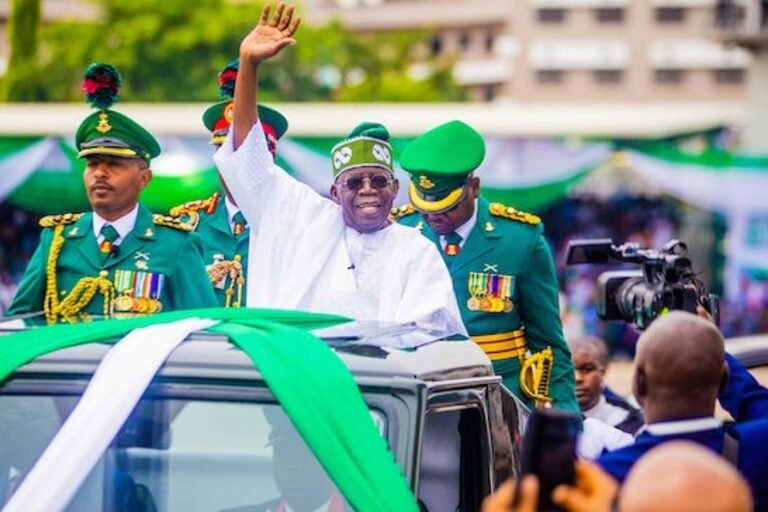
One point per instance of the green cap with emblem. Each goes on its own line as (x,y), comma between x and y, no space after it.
(218,117)
(439,162)
(365,146)
(107,132)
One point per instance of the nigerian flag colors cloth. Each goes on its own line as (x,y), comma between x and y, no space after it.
(116,387)
(315,389)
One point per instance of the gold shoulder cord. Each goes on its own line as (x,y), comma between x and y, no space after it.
(536,375)
(70,309)
(234,269)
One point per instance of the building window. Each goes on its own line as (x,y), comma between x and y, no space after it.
(435,46)
(551,15)
(670,76)
(729,76)
(670,14)
(489,42)
(464,42)
(608,76)
(489,92)
(550,76)
(609,15)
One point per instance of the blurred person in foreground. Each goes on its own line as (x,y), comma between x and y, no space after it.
(590,361)
(678,477)
(342,255)
(679,369)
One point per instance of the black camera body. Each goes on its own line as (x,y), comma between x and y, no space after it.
(665,281)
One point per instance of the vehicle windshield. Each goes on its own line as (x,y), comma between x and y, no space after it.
(178,454)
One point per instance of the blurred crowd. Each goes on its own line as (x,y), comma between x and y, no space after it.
(648,221)
(19,234)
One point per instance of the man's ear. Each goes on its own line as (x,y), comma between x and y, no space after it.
(395,187)
(725,378)
(145,177)
(474,187)
(335,194)
(639,385)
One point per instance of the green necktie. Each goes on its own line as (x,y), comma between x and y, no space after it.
(452,247)
(238,224)
(110,234)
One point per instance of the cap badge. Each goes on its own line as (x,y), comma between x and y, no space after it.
(342,156)
(229,113)
(103,125)
(426,183)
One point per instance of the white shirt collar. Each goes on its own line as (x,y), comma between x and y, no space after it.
(465,229)
(231,207)
(668,428)
(607,413)
(123,225)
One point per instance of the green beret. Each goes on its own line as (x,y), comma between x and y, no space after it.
(218,118)
(365,146)
(439,162)
(111,133)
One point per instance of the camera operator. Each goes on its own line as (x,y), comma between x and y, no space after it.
(679,369)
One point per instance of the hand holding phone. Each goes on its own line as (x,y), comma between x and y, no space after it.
(549,452)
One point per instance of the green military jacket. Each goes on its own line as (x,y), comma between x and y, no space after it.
(157,267)
(221,248)
(506,286)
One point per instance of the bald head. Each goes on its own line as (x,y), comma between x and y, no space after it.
(682,476)
(679,367)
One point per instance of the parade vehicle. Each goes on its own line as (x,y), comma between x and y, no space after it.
(208,432)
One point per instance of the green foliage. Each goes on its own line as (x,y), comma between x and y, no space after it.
(172,50)
(20,81)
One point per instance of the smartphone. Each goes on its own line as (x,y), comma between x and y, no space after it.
(549,451)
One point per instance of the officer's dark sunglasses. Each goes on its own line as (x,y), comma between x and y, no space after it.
(378,181)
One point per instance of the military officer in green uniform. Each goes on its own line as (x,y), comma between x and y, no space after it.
(119,259)
(502,269)
(218,219)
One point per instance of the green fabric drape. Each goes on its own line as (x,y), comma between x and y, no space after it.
(535,198)
(320,396)
(316,390)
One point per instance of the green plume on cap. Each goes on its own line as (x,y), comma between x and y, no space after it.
(369,129)
(101,85)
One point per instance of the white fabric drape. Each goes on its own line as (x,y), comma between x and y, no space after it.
(15,169)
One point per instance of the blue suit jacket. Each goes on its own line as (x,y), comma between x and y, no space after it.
(752,462)
(743,397)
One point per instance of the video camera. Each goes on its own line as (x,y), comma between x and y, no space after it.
(665,281)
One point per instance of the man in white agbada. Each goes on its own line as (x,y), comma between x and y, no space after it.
(341,256)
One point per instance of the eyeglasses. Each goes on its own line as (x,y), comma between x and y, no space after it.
(377,181)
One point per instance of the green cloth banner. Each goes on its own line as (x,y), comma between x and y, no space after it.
(535,198)
(315,389)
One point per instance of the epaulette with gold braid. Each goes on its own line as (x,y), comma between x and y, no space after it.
(206,205)
(399,212)
(172,222)
(50,221)
(508,212)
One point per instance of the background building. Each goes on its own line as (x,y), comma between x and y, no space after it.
(565,50)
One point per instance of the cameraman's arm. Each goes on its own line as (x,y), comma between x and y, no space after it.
(743,397)
(540,313)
